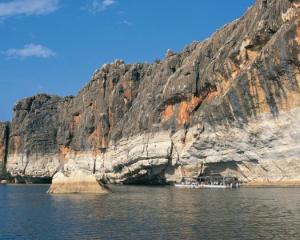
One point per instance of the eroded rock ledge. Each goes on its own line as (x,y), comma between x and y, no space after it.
(227,105)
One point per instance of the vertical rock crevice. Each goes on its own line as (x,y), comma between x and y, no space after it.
(4,145)
(6,135)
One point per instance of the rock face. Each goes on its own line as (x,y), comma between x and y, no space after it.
(32,142)
(228,105)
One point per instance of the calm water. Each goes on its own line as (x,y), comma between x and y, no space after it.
(27,212)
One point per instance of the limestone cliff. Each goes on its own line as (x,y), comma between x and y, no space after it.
(227,105)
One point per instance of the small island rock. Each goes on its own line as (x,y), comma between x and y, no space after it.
(75,182)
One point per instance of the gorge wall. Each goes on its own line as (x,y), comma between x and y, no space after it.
(229,105)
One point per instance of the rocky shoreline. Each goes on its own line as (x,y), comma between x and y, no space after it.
(229,105)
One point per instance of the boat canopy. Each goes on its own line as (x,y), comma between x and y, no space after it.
(211,178)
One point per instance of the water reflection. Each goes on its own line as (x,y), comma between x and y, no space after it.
(151,213)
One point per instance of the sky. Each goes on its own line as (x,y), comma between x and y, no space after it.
(54,46)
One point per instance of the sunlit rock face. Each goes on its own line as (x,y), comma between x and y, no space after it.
(228,105)
(76,181)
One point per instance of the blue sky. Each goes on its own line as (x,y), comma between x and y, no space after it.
(54,46)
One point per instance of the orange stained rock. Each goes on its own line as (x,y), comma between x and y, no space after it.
(168,113)
(258,93)
(97,139)
(17,143)
(63,150)
(95,136)
(183,115)
(128,94)
(104,142)
(186,108)
(219,77)
(251,55)
(248,56)
(231,67)
(286,101)
(187,171)
(212,95)
(291,100)
(195,102)
(298,76)
(223,86)
(127,91)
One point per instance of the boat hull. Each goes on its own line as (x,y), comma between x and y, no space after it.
(193,186)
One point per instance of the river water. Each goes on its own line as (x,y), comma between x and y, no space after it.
(133,212)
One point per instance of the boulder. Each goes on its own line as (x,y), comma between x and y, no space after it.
(75,182)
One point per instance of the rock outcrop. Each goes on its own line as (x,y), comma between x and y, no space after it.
(76,181)
(228,105)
